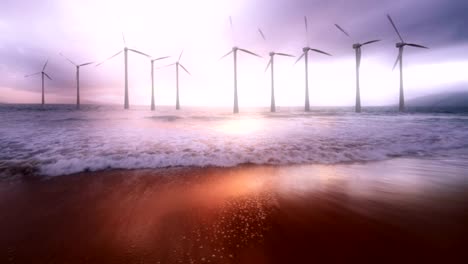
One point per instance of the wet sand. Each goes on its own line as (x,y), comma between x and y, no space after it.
(397,211)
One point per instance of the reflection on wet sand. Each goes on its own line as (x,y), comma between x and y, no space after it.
(403,209)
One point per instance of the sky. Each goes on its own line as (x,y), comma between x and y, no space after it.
(33,31)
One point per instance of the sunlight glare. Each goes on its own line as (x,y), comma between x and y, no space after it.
(241,126)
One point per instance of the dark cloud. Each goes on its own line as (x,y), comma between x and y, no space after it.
(437,22)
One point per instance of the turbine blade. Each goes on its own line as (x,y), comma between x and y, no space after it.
(47,76)
(29,75)
(394,26)
(109,58)
(227,54)
(268,65)
(342,30)
(251,53)
(261,34)
(396,63)
(286,55)
(45,65)
(180,56)
(322,52)
(306,24)
(161,58)
(185,69)
(417,46)
(400,53)
(141,53)
(67,59)
(123,37)
(302,56)
(233,35)
(169,65)
(370,42)
(85,64)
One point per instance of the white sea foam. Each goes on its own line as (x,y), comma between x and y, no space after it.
(60,141)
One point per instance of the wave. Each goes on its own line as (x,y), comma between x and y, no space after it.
(228,155)
(37,144)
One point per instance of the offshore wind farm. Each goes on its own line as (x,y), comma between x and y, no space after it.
(234,51)
(206,131)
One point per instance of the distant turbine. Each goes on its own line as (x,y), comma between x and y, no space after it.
(400,46)
(42,75)
(271,63)
(177,64)
(357,47)
(305,55)
(152,80)
(77,78)
(125,51)
(234,52)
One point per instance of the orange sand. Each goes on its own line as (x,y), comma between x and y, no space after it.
(249,214)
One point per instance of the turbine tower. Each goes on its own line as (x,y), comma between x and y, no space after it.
(125,51)
(271,64)
(177,64)
(234,51)
(357,48)
(152,80)
(305,55)
(42,73)
(401,45)
(77,78)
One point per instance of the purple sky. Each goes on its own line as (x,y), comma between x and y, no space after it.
(32,31)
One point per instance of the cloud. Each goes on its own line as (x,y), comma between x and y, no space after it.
(32,31)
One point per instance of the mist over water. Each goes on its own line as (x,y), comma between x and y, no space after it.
(58,140)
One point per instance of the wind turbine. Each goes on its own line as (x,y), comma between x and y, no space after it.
(125,51)
(357,48)
(305,55)
(271,64)
(401,45)
(234,52)
(177,64)
(42,73)
(77,78)
(152,80)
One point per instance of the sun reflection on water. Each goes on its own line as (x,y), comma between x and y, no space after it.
(241,126)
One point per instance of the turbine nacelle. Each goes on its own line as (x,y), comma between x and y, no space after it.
(355,45)
(272,54)
(177,63)
(305,53)
(400,44)
(235,48)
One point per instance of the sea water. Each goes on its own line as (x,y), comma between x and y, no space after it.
(59,140)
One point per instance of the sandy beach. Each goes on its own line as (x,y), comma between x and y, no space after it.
(391,211)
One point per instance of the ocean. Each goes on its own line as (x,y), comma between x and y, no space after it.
(59,140)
